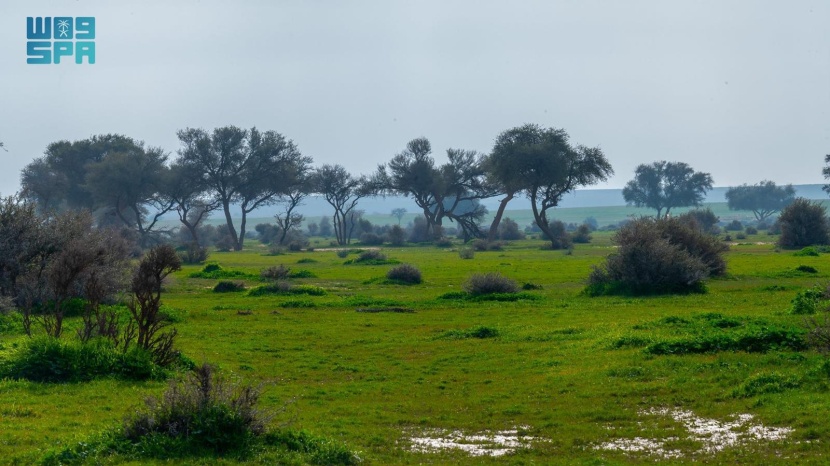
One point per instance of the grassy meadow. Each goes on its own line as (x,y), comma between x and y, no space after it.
(571,372)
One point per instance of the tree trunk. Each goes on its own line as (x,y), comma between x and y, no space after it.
(494,227)
(241,231)
(226,207)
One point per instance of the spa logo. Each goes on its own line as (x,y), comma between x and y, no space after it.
(50,39)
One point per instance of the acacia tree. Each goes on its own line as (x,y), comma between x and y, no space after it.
(763,199)
(188,191)
(289,218)
(502,170)
(133,184)
(448,191)
(342,191)
(248,168)
(541,163)
(665,185)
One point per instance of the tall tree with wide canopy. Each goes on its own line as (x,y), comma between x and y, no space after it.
(342,191)
(449,191)
(666,185)
(542,164)
(58,179)
(763,199)
(133,184)
(250,169)
(502,170)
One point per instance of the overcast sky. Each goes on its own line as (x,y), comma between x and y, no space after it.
(740,89)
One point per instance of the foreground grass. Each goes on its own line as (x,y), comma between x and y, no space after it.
(372,380)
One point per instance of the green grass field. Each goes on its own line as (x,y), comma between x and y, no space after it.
(573,373)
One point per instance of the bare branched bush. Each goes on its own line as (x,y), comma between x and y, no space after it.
(489,283)
(406,273)
(275,273)
(147,326)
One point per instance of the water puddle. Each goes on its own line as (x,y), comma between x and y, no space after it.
(714,435)
(485,443)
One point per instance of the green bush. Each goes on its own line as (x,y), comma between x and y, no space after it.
(658,256)
(765,383)
(807,301)
(228,287)
(216,272)
(203,410)
(489,283)
(808,251)
(466,253)
(803,223)
(302,274)
(284,288)
(52,360)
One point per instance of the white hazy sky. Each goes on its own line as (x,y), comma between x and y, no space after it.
(740,89)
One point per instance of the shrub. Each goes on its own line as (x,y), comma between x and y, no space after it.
(466,253)
(658,256)
(51,360)
(509,230)
(765,383)
(488,283)
(807,301)
(702,219)
(443,242)
(405,273)
(302,274)
(285,288)
(559,236)
(803,223)
(203,410)
(146,324)
(582,235)
(396,235)
(808,251)
(740,236)
(751,230)
(216,272)
(372,257)
(371,239)
(194,254)
(275,273)
(734,225)
(343,253)
(228,287)
(806,269)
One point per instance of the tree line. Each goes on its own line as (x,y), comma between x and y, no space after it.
(132,185)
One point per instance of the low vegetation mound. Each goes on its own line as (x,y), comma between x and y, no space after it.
(489,283)
(216,272)
(285,288)
(656,257)
(405,273)
(711,333)
(201,416)
(52,360)
(228,287)
(371,257)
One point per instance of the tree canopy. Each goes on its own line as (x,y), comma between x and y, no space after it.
(763,199)
(249,169)
(666,185)
(543,164)
(448,191)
